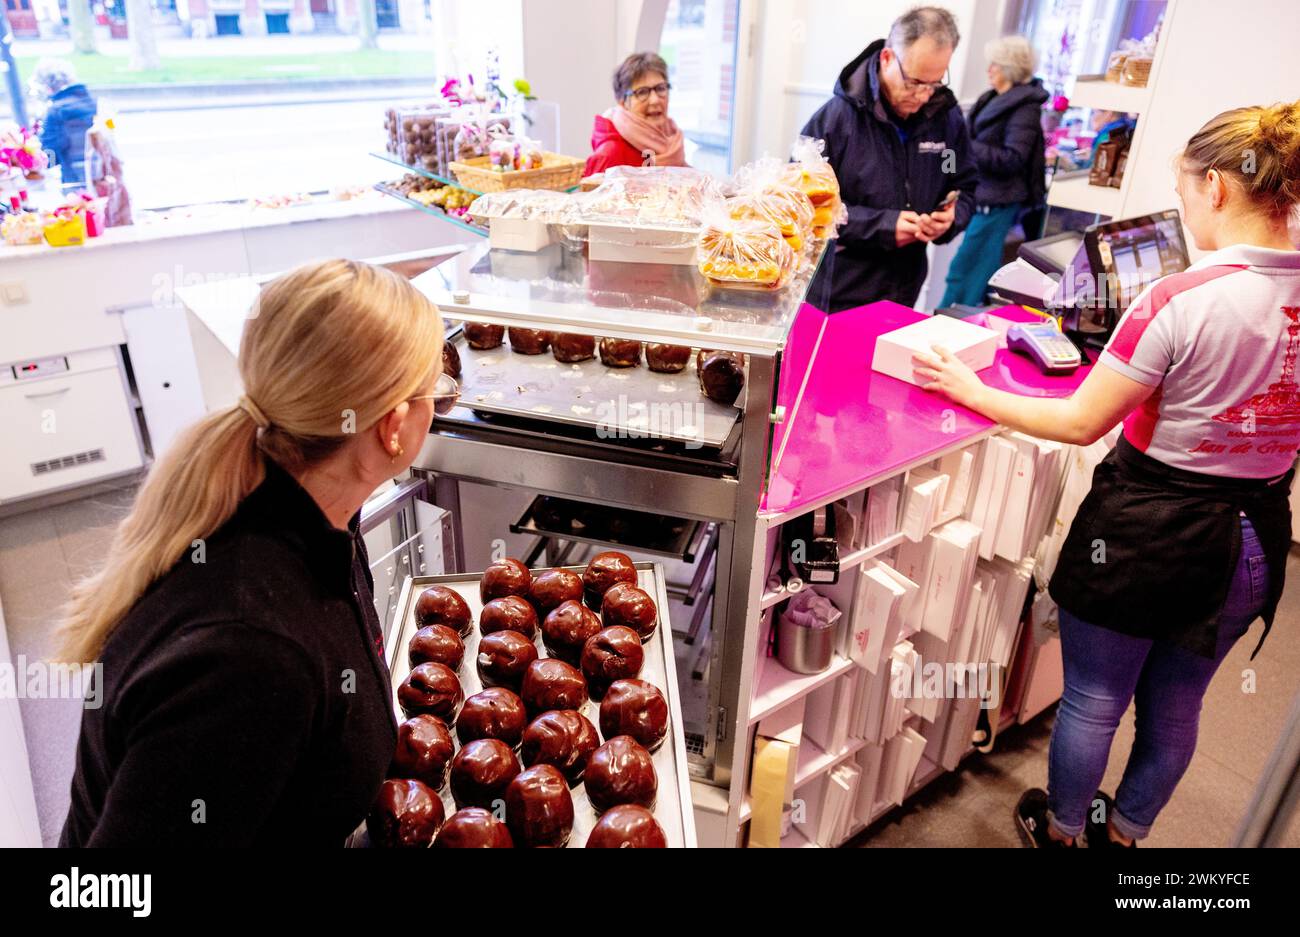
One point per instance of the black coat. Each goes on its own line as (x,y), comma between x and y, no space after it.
(884,168)
(1006,136)
(252,682)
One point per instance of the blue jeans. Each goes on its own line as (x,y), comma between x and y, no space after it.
(1104,671)
(979,256)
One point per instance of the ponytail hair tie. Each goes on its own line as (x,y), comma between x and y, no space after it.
(254,411)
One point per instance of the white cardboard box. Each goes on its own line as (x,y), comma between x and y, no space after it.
(519,234)
(972,344)
(642,244)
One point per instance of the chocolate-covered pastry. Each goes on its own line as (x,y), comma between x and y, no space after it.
(483,336)
(473,828)
(667,358)
(552,684)
(627,826)
(603,571)
(539,810)
(494,713)
(562,738)
(438,644)
(438,605)
(508,613)
(566,629)
(619,772)
(481,772)
(407,814)
(433,689)
(620,352)
(630,606)
(504,577)
(503,656)
(722,376)
(450,360)
(635,708)
(424,750)
(551,588)
(567,347)
(611,654)
(529,341)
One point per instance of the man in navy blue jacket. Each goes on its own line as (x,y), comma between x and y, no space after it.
(899,145)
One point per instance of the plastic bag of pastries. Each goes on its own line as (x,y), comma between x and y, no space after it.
(744,253)
(763,193)
(811,173)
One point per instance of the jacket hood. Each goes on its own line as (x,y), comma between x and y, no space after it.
(602,131)
(77,90)
(1030,93)
(859,84)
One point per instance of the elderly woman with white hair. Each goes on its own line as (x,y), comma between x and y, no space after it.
(1007,140)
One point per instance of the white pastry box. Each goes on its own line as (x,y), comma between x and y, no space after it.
(519,234)
(642,244)
(972,344)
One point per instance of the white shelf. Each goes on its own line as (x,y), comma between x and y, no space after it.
(1078,195)
(812,763)
(858,557)
(778,686)
(771,598)
(1110,96)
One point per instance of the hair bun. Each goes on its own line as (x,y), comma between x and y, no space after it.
(1279,131)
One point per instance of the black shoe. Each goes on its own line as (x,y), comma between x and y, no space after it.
(1031,821)
(1095,834)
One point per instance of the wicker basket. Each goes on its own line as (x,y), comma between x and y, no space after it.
(557,172)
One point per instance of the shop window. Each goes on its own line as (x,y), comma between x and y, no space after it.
(699,45)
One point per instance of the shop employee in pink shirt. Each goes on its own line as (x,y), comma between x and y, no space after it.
(1181,543)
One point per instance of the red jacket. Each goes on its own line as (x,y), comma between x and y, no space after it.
(608,148)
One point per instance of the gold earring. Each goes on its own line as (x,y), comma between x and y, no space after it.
(397,454)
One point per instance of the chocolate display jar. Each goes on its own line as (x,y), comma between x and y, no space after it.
(562,738)
(602,572)
(630,606)
(539,808)
(503,658)
(635,708)
(508,613)
(406,814)
(424,751)
(481,772)
(620,772)
(505,577)
(611,654)
(473,828)
(552,684)
(494,713)
(483,337)
(627,826)
(432,689)
(438,605)
(566,629)
(436,644)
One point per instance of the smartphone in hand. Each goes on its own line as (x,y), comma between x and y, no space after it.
(948,201)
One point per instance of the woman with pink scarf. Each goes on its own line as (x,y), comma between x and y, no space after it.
(637,130)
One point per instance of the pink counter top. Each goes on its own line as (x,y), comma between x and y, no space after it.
(846,424)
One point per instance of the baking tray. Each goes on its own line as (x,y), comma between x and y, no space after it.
(615,402)
(677,545)
(673,806)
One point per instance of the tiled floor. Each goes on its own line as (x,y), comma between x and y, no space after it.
(41,552)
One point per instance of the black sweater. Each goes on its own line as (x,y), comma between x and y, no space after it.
(246,700)
(1006,136)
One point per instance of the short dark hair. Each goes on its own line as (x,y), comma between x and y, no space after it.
(935,22)
(633,67)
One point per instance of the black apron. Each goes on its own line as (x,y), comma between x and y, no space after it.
(1153,548)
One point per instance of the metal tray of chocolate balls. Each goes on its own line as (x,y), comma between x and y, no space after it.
(560,650)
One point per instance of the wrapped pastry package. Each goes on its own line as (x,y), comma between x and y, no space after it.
(544,205)
(812,173)
(763,193)
(667,196)
(743,252)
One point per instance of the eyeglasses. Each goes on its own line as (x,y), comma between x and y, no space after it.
(642,94)
(913,85)
(445,396)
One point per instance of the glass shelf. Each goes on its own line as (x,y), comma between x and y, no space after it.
(431,209)
(390,158)
(559,288)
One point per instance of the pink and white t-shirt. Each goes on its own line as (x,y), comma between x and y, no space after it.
(1219,342)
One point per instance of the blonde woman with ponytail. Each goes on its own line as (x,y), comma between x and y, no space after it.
(1182,542)
(246,695)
